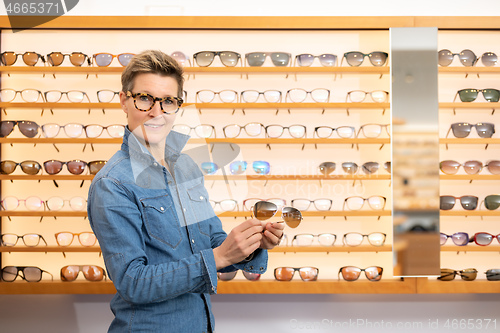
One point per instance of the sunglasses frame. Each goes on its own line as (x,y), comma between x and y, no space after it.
(39,56)
(474,238)
(37,165)
(81,269)
(298,61)
(217,53)
(470,126)
(297,269)
(460,198)
(270,55)
(476,92)
(474,61)
(22,237)
(231,275)
(69,55)
(378,278)
(22,269)
(464,165)
(369,55)
(453,236)
(455,273)
(113,56)
(295,214)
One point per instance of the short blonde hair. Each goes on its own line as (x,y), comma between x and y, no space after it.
(155,62)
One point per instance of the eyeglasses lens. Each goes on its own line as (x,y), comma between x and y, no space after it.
(492,202)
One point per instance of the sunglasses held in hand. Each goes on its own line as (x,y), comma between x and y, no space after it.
(264,210)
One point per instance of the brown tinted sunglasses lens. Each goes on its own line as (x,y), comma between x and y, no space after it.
(31,167)
(77,59)
(283,273)
(308,273)
(468,274)
(226,276)
(8,167)
(291,216)
(30,58)
(53,167)
(494,167)
(9,58)
(76,167)
(263,210)
(350,273)
(93,273)
(373,273)
(96,166)
(55,58)
(447,274)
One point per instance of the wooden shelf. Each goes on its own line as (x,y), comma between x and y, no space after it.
(317,213)
(62,140)
(44,213)
(283,105)
(299,177)
(46,177)
(297,286)
(470,248)
(469,177)
(457,286)
(42,248)
(468,70)
(42,105)
(467,141)
(469,213)
(198,70)
(471,105)
(57,287)
(327,249)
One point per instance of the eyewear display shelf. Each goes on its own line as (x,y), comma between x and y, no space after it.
(387,285)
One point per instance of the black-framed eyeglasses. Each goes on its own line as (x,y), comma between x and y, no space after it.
(344,132)
(276,131)
(27,273)
(76,58)
(356,58)
(325,59)
(257,59)
(28,95)
(227,58)
(30,240)
(145,102)
(9,58)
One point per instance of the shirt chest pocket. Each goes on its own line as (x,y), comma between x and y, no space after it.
(201,208)
(161,220)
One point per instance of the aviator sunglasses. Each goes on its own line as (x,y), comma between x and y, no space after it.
(264,210)
(468,274)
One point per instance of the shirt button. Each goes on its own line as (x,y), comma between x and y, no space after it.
(201,197)
(155,164)
(184,209)
(262,268)
(162,209)
(192,241)
(251,267)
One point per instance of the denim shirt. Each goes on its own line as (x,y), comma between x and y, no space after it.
(157,230)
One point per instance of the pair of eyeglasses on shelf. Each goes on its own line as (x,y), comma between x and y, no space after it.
(206,58)
(29,167)
(469,202)
(307,59)
(202,131)
(228,276)
(319,204)
(356,58)
(470,95)
(34,203)
(448,274)
(351,168)
(493,274)
(9,58)
(27,273)
(484,238)
(467,58)
(75,167)
(286,273)
(105,59)
(358,96)
(375,202)
(28,95)
(30,240)
(370,131)
(74,130)
(299,95)
(76,58)
(271,131)
(278,59)
(237,167)
(349,239)
(90,272)
(352,273)
(27,128)
(226,96)
(471,167)
(66,238)
(462,130)
(458,238)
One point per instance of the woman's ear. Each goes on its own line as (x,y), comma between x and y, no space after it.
(123,102)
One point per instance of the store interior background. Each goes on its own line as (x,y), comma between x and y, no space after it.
(268,313)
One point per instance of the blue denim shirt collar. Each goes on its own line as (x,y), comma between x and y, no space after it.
(141,158)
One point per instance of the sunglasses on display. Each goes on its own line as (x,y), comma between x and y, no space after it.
(32,203)
(90,272)
(226,96)
(257,59)
(28,167)
(145,102)
(30,240)
(75,130)
(239,167)
(27,95)
(466,57)
(470,95)
(493,274)
(450,167)
(358,96)
(491,202)
(202,131)
(327,168)
(250,202)
(76,58)
(468,274)
(484,238)
(30,58)
(462,130)
(228,276)
(27,273)
(468,202)
(252,96)
(181,58)
(287,273)
(75,167)
(489,59)
(373,131)
(66,238)
(264,210)
(356,239)
(325,59)
(105,59)
(75,203)
(28,128)
(325,239)
(356,58)
(319,204)
(375,202)
(352,273)
(299,95)
(74,96)
(227,205)
(206,58)
(343,132)
(458,238)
